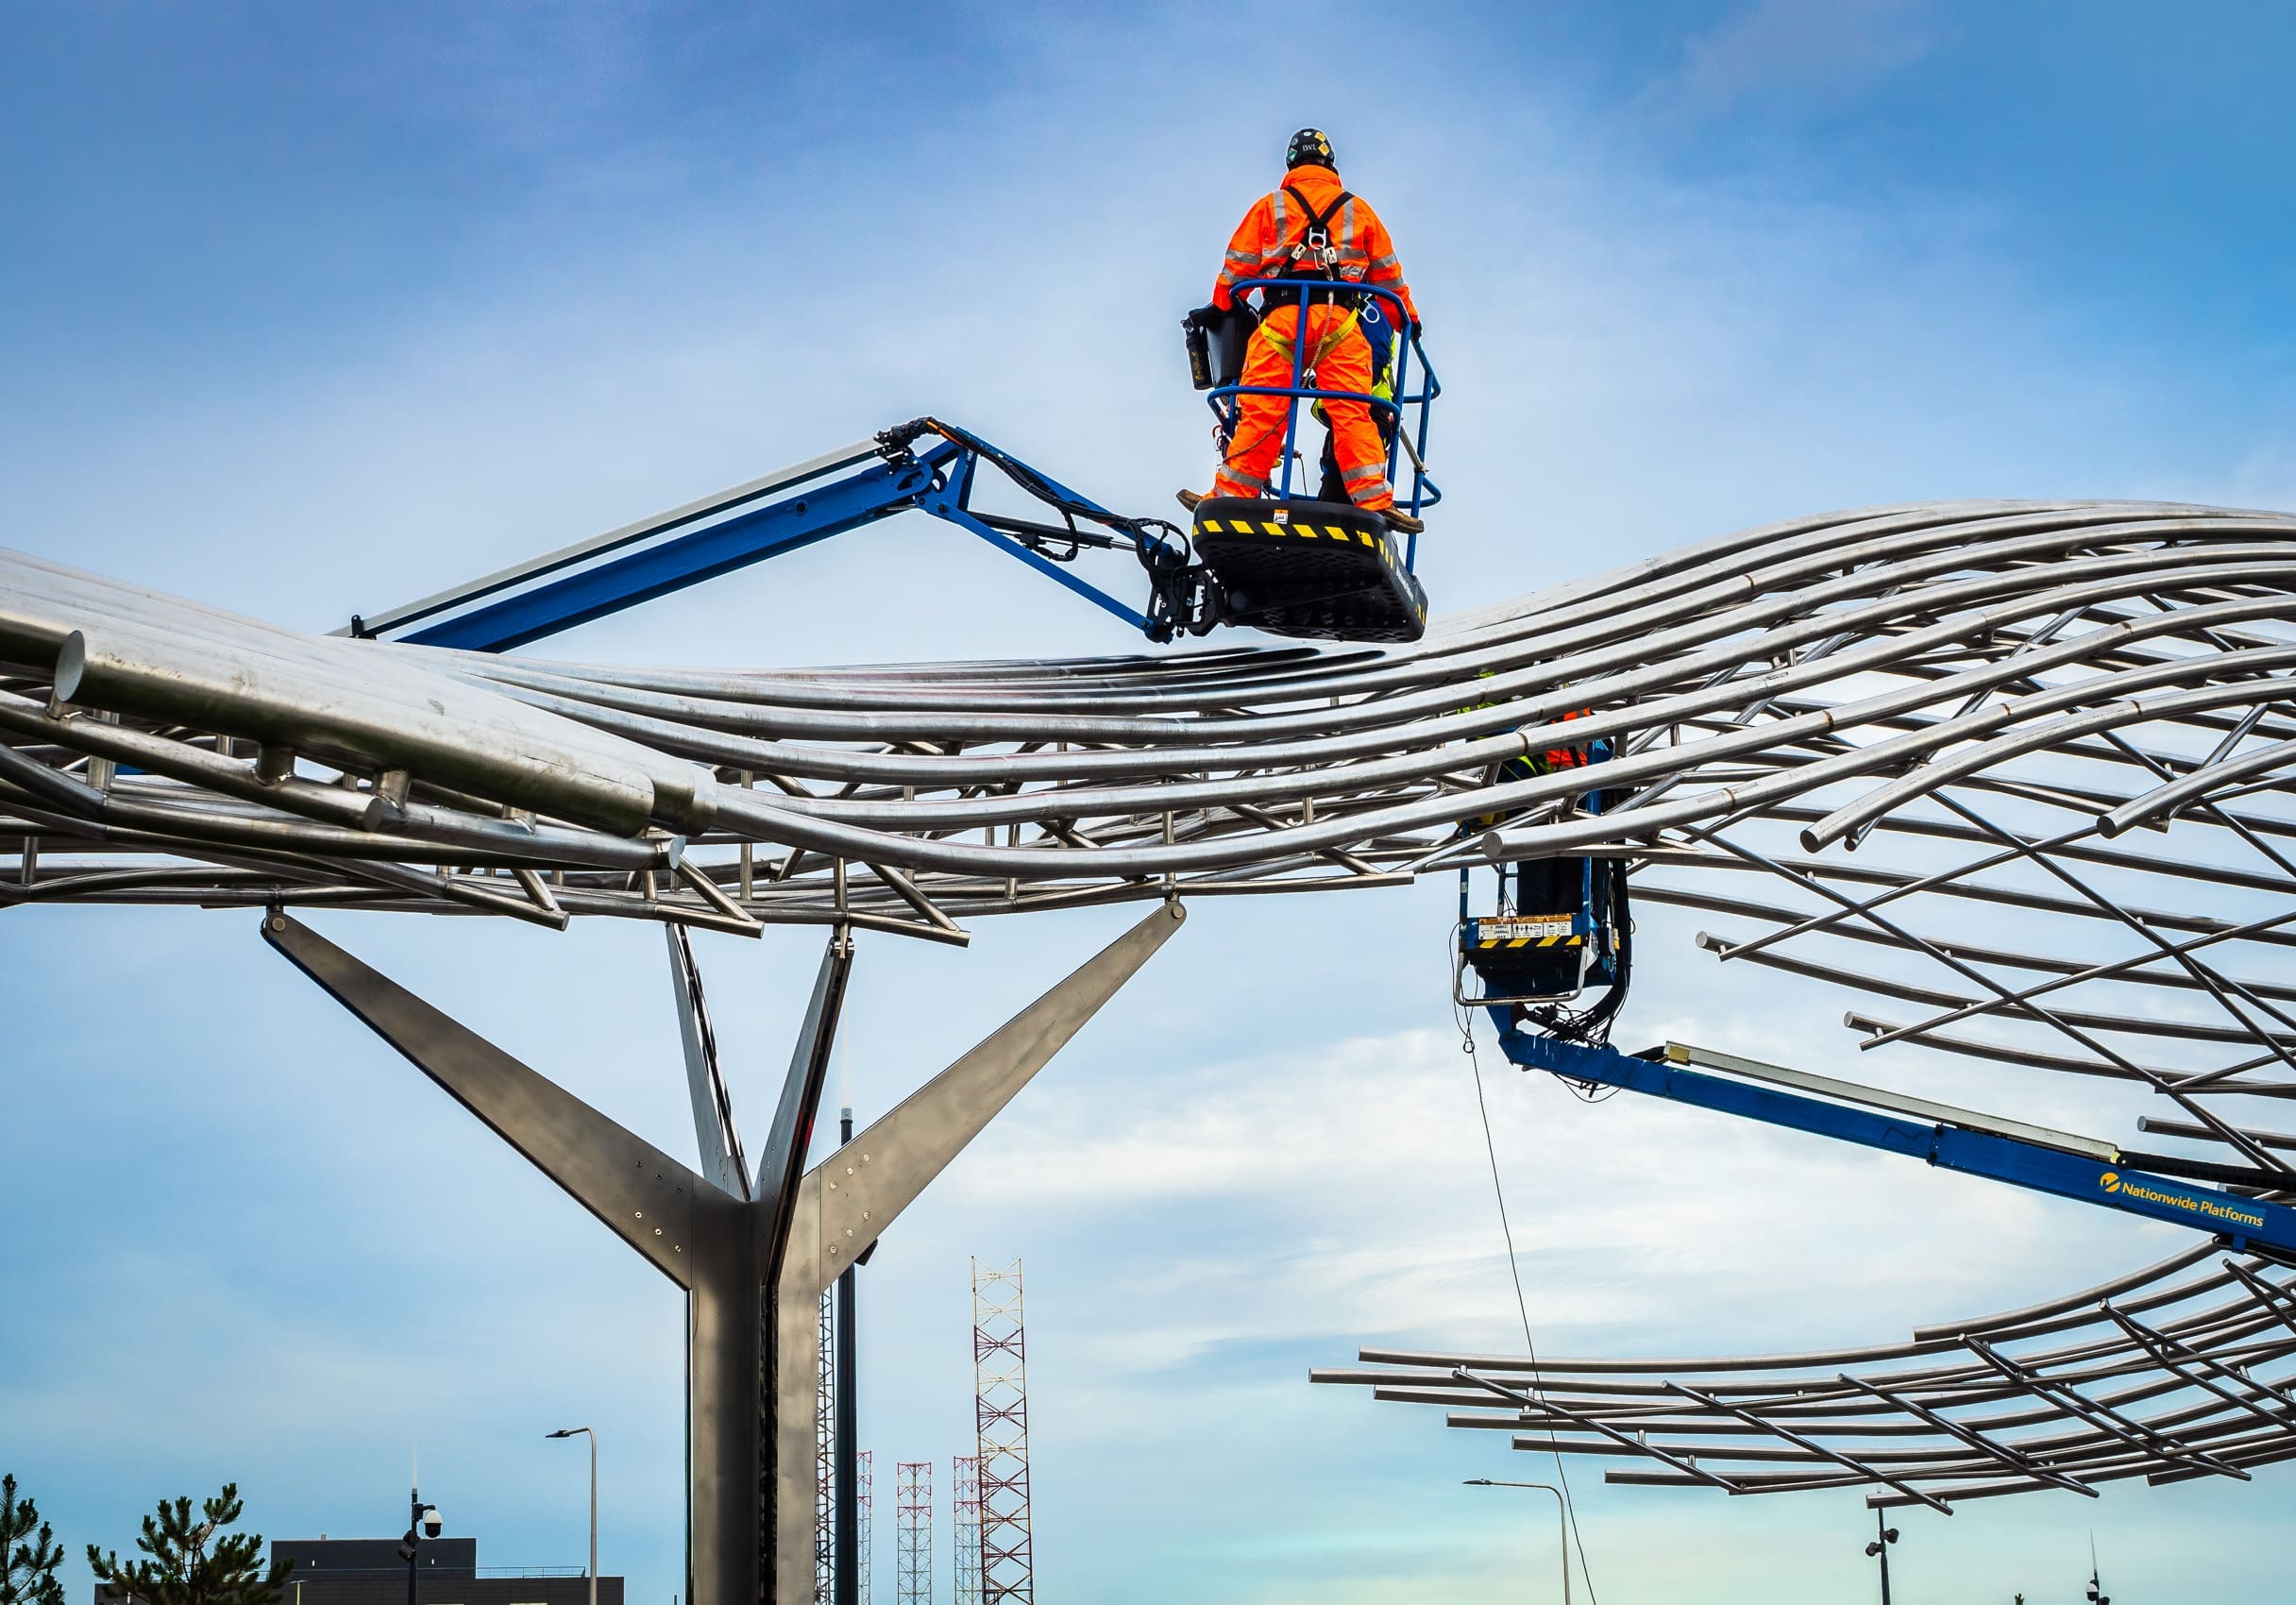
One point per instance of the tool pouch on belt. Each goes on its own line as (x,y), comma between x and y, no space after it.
(1229,342)
(1217,337)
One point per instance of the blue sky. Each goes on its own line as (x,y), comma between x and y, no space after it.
(308,313)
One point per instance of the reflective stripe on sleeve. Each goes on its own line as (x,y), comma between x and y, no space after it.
(1381,264)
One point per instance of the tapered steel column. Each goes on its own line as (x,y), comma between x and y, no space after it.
(726,1557)
(753,1269)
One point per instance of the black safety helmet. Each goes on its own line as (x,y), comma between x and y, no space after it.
(1310,147)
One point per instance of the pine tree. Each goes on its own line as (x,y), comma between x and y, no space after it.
(180,1568)
(29,1552)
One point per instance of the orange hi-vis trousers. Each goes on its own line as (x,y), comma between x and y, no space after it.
(1339,358)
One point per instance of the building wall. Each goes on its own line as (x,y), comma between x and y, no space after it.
(367,1571)
(347,1587)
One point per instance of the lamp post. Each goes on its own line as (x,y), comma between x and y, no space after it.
(1562,1521)
(569,1432)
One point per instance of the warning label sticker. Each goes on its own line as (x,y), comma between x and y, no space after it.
(1518,930)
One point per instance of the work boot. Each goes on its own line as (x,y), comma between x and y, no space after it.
(1401,522)
(1189,497)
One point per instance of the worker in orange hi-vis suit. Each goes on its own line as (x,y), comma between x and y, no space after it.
(1311,227)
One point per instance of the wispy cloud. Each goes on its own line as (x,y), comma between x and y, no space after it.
(1794,56)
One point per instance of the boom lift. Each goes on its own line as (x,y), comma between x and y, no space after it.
(1564,926)
(1322,572)
(1558,927)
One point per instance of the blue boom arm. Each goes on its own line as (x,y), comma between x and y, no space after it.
(2082,1169)
(780,513)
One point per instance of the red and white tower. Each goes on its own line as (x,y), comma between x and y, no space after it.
(999,1353)
(965,1500)
(865,1499)
(916,1512)
(825,1458)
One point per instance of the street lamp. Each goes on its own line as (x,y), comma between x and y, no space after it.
(569,1432)
(1561,1521)
(1881,1547)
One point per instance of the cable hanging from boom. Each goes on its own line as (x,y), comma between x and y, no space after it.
(1175,581)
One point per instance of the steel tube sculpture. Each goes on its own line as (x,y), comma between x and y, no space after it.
(2157,1375)
(2011,775)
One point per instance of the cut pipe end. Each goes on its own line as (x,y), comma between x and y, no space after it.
(70,667)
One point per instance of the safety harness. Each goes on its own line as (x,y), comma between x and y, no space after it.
(1315,256)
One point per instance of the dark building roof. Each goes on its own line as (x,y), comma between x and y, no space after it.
(368,1571)
(315,1556)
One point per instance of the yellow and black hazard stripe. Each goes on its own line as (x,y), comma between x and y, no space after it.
(1530,942)
(1380,543)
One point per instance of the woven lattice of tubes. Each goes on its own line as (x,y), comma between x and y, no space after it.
(2182,1370)
(2006,779)
(1824,676)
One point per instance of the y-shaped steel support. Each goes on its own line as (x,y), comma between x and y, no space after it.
(753,1268)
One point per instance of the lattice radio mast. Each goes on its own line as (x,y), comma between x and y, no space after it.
(1009,1574)
(825,1459)
(866,1502)
(965,1501)
(916,1512)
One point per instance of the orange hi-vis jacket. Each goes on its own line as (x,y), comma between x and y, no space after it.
(1261,246)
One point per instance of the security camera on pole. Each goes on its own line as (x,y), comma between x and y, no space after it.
(1881,1547)
(423,1521)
